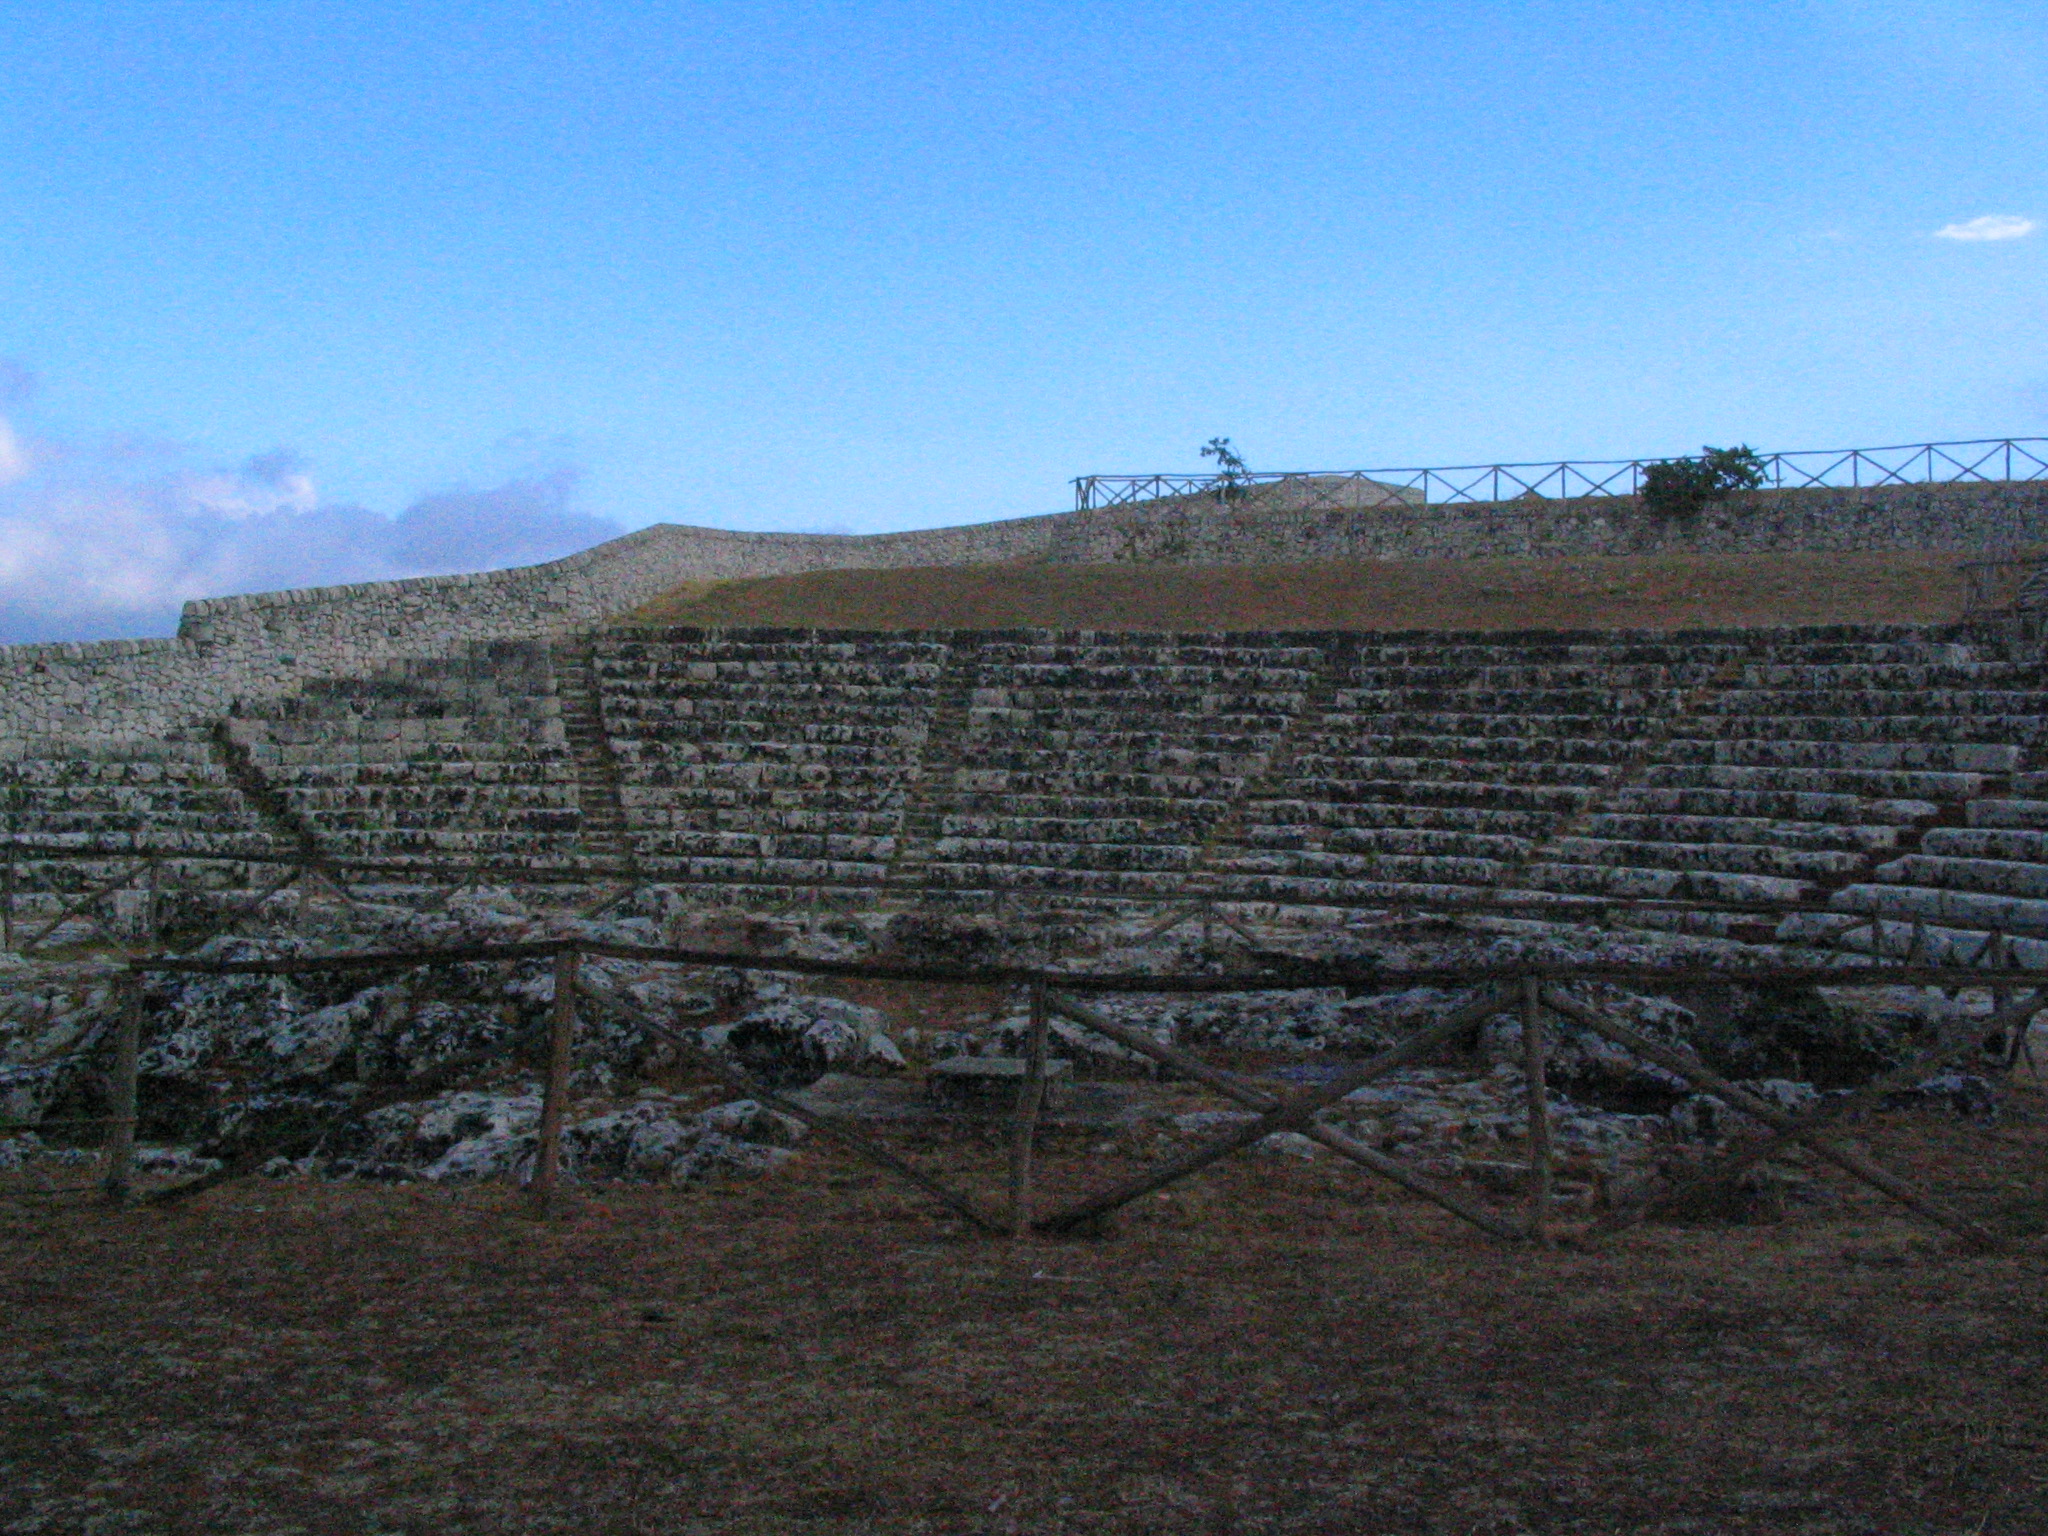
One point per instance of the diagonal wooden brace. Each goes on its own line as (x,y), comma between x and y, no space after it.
(739,1078)
(1710,1081)
(1239,1091)
(80,906)
(1960,1038)
(1290,1114)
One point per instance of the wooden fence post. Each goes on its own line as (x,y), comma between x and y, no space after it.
(1535,1062)
(7,895)
(121,1124)
(1030,1095)
(547,1160)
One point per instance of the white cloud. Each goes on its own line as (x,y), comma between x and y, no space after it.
(1992,226)
(92,549)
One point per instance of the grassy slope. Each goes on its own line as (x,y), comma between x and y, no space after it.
(1632,592)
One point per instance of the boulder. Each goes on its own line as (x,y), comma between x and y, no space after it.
(799,1039)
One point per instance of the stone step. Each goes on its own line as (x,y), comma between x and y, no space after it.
(1922,756)
(1750,830)
(1504,771)
(1413,841)
(1059,782)
(1997,877)
(1319,816)
(1663,884)
(1515,680)
(1406,869)
(1110,856)
(1894,677)
(881,740)
(1497,794)
(790,871)
(1922,943)
(1863,783)
(1799,807)
(985,737)
(1261,885)
(1978,910)
(864,820)
(1805,864)
(780,762)
(1521,703)
(1016,802)
(1977,841)
(1133,718)
(2008,813)
(2013,731)
(832,847)
(1430,748)
(771,697)
(1832,704)
(1032,877)
(1052,829)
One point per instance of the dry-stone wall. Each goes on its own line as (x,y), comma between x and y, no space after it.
(262,646)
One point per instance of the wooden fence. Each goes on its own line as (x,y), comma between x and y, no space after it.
(1535,992)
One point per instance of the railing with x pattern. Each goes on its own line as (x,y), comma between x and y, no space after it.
(1984,460)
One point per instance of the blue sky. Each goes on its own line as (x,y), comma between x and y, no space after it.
(298,292)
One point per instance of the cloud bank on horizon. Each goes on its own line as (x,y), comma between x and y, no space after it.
(111,542)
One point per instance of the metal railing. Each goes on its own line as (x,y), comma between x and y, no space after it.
(1987,460)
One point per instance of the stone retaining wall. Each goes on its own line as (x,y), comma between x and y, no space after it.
(259,646)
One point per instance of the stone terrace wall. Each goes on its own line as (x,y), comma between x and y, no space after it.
(259,646)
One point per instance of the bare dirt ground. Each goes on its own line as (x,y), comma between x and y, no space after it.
(1632,592)
(1276,1346)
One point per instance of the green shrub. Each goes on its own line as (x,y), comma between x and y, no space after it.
(1230,471)
(1679,488)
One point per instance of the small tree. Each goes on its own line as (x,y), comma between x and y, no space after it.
(1231,475)
(1678,488)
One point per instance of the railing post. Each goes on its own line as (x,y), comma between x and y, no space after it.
(121,1095)
(1030,1095)
(1535,1062)
(547,1160)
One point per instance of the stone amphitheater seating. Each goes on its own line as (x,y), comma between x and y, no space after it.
(1099,763)
(1891,783)
(767,757)
(440,761)
(170,796)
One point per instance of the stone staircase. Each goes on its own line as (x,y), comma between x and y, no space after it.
(936,783)
(581,700)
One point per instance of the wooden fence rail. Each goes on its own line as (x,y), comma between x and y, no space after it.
(1530,990)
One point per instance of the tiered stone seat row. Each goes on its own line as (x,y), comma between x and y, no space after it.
(777,757)
(1100,763)
(1444,762)
(1890,777)
(1852,768)
(168,796)
(453,759)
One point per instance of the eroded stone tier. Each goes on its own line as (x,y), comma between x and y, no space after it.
(1891,776)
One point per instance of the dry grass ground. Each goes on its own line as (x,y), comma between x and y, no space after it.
(1275,1347)
(1634,592)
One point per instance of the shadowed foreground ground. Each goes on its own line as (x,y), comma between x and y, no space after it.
(1621,592)
(1278,1347)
